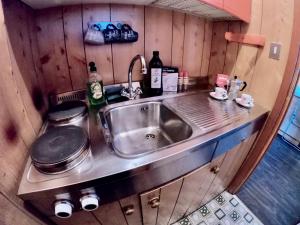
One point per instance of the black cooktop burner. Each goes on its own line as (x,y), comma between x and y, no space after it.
(67,110)
(58,148)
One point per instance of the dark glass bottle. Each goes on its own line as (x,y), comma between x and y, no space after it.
(155,70)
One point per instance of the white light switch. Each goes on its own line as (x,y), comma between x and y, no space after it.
(275,51)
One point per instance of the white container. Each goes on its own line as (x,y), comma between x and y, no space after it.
(170,79)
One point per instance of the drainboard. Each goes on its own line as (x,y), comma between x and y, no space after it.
(206,113)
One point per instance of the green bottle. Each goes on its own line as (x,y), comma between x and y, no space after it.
(95,87)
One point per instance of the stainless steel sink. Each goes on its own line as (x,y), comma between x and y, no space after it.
(142,128)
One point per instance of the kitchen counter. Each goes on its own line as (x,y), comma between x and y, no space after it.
(113,177)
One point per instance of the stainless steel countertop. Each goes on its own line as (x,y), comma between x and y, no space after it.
(103,163)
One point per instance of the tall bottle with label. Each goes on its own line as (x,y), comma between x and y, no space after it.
(155,70)
(95,87)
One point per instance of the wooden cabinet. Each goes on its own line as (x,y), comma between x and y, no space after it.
(194,188)
(241,9)
(237,8)
(212,8)
(216,3)
(132,210)
(233,160)
(157,205)
(168,203)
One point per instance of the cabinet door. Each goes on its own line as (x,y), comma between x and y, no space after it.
(110,214)
(131,209)
(241,9)
(158,204)
(168,197)
(229,167)
(150,204)
(216,3)
(193,189)
(78,218)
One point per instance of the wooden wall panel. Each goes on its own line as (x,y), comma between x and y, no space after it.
(40,92)
(272,19)
(247,55)
(72,19)
(178,39)
(19,118)
(270,71)
(52,50)
(206,48)
(11,214)
(13,150)
(218,50)
(21,58)
(193,44)
(123,53)
(158,33)
(101,55)
(231,49)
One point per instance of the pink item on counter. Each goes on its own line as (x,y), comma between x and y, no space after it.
(222,81)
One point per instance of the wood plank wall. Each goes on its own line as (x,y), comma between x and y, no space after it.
(274,20)
(182,40)
(20,117)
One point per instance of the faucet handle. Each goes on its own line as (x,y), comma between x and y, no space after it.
(124,93)
(143,70)
(138,91)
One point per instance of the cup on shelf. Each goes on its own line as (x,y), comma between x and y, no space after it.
(220,92)
(247,99)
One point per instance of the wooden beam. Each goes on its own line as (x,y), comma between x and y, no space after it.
(250,39)
(279,110)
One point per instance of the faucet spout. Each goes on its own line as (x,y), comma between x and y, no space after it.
(130,93)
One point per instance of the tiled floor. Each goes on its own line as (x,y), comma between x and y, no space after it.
(225,209)
(273,190)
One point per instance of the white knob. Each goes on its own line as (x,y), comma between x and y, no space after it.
(89,202)
(63,209)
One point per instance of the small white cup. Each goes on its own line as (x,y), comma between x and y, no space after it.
(220,92)
(247,99)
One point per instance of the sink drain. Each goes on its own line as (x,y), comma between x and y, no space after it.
(150,136)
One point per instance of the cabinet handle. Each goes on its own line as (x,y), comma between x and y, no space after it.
(128,210)
(215,169)
(154,202)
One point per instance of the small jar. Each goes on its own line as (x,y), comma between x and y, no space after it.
(180,82)
(185,80)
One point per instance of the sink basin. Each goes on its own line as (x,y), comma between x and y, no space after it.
(142,128)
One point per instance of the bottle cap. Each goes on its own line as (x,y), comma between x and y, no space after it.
(93,67)
(156,53)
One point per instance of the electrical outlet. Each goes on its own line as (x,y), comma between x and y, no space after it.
(275,49)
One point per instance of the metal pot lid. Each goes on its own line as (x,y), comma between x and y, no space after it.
(67,111)
(59,144)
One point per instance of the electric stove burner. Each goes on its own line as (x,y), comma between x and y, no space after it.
(60,149)
(67,111)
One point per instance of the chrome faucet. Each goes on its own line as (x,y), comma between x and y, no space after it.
(129,92)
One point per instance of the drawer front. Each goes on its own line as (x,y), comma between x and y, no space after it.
(230,141)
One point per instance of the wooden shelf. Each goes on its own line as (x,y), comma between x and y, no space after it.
(250,39)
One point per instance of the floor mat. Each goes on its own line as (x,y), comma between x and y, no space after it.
(225,209)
